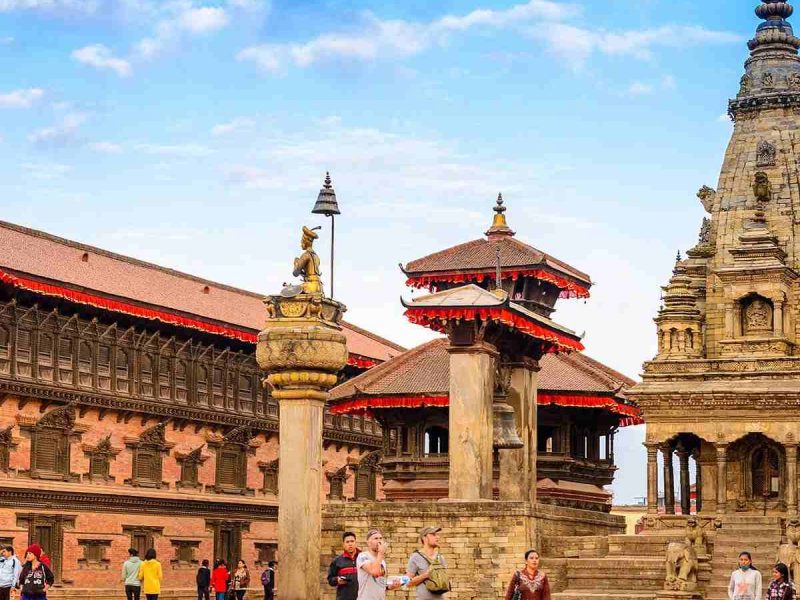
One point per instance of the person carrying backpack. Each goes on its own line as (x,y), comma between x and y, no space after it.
(203,581)
(427,567)
(268,581)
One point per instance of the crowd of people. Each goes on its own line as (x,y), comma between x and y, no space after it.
(31,576)
(746,582)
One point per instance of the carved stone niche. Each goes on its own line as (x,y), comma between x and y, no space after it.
(757,316)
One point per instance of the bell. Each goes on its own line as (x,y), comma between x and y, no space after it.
(505,427)
(326,201)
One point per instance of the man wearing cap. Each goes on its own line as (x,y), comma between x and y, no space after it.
(372,583)
(420,562)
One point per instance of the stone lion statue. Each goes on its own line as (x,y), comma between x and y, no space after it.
(695,536)
(707,195)
(762,189)
(789,554)
(682,565)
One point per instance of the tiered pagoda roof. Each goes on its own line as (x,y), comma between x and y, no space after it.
(44,264)
(420,377)
(477,261)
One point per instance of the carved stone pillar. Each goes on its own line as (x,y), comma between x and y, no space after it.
(652,478)
(722,478)
(471,433)
(791,478)
(698,481)
(518,467)
(686,500)
(669,480)
(729,316)
(777,320)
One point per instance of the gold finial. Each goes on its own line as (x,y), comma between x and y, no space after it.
(499,225)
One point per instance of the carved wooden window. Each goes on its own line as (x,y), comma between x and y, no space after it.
(165,377)
(50,450)
(219,376)
(436,440)
(5,350)
(141,538)
(94,554)
(24,353)
(66,373)
(85,364)
(190,468)
(104,367)
(229,392)
(6,444)
(181,389)
(228,539)
(123,371)
(100,458)
(147,467)
(45,356)
(270,470)
(366,485)
(266,552)
(202,385)
(246,393)
(231,468)
(146,377)
(47,530)
(184,553)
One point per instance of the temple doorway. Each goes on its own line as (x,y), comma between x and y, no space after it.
(761,464)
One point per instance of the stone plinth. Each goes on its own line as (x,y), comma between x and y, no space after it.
(471,433)
(673,595)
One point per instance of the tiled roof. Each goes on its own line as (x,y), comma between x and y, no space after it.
(425,370)
(92,269)
(481,254)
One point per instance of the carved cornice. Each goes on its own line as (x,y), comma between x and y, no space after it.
(743,106)
(132,504)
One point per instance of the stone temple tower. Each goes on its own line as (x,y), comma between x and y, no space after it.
(724,389)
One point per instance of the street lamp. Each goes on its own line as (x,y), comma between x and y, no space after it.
(327,205)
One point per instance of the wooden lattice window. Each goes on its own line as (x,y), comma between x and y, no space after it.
(246,392)
(85,364)
(148,454)
(184,553)
(45,356)
(270,471)
(146,375)
(165,377)
(190,468)
(51,441)
(142,538)
(227,538)
(23,349)
(47,530)
(5,342)
(202,385)
(66,373)
(94,554)
(104,367)
(6,445)
(266,552)
(123,371)
(100,458)
(219,378)
(231,468)
(181,389)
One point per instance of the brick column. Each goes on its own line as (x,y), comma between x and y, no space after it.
(683,461)
(791,478)
(669,480)
(652,478)
(722,477)
(518,467)
(471,433)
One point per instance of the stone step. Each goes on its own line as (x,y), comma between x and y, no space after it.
(641,545)
(592,594)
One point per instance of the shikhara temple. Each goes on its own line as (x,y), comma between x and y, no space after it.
(510,288)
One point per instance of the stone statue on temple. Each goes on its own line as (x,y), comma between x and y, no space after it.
(762,188)
(789,553)
(707,196)
(307,264)
(696,536)
(681,567)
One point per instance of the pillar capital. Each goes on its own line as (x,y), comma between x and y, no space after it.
(476,348)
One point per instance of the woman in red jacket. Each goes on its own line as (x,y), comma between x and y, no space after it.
(219,579)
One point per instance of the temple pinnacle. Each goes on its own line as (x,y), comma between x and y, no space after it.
(499,226)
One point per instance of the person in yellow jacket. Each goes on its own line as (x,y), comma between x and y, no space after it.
(150,575)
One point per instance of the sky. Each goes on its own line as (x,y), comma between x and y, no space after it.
(196,134)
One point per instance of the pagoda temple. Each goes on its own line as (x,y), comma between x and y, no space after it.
(578,403)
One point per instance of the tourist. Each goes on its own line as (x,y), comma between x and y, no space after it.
(219,579)
(268,581)
(427,569)
(35,578)
(745,581)
(530,582)
(241,580)
(372,583)
(150,574)
(780,588)
(203,580)
(130,575)
(10,568)
(342,572)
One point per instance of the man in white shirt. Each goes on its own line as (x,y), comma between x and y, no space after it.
(371,565)
(10,567)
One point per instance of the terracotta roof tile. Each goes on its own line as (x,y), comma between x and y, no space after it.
(425,370)
(480,254)
(79,265)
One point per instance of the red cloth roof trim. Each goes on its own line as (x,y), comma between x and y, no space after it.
(365,404)
(433,317)
(127,308)
(569,289)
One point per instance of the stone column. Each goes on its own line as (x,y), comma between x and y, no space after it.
(652,478)
(777,320)
(729,328)
(698,481)
(686,500)
(791,478)
(669,480)
(518,467)
(471,434)
(722,478)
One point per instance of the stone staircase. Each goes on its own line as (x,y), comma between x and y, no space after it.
(760,536)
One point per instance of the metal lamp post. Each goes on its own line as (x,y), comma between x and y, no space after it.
(327,205)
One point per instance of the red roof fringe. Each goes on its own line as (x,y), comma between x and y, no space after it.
(433,317)
(126,308)
(365,405)
(569,289)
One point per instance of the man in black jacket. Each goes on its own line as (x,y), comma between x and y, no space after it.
(203,580)
(342,573)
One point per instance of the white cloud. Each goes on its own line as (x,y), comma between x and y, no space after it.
(396,38)
(79,6)
(204,20)
(234,126)
(105,147)
(643,88)
(23,98)
(101,57)
(45,171)
(639,88)
(175,150)
(58,135)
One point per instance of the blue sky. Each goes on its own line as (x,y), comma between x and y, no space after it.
(196,135)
